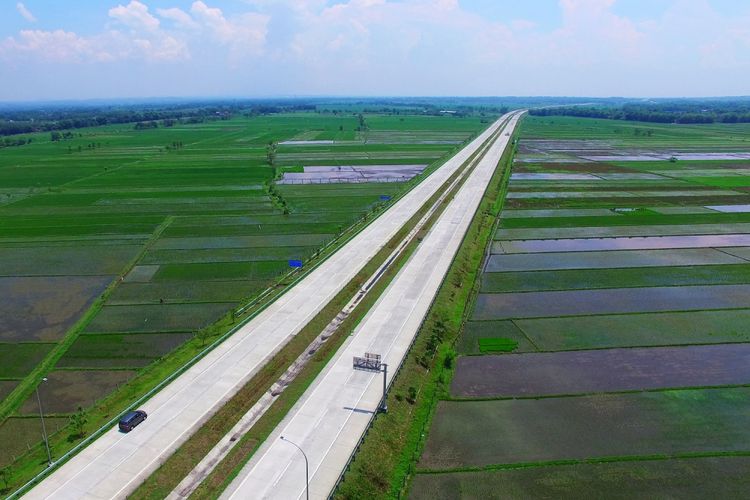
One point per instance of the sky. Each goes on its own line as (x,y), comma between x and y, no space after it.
(91,49)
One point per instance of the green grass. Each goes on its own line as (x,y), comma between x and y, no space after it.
(629,220)
(157,317)
(18,434)
(489,345)
(723,182)
(183,291)
(474,331)
(97,350)
(579,279)
(259,270)
(647,329)
(622,133)
(68,260)
(18,360)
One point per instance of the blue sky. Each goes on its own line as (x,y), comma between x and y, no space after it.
(82,49)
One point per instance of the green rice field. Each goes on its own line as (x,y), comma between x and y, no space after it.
(119,245)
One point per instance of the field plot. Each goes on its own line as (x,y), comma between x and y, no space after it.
(610,301)
(612,322)
(692,478)
(605,370)
(44,307)
(17,435)
(515,431)
(580,279)
(142,238)
(648,329)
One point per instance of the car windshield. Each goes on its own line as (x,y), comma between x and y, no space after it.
(129,416)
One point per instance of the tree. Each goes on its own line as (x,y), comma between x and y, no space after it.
(203,335)
(411,394)
(55,136)
(271,153)
(79,420)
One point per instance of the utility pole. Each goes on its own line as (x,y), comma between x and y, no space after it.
(307,467)
(44,428)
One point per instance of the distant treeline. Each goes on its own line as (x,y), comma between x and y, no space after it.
(24,121)
(8,142)
(684,112)
(60,117)
(24,118)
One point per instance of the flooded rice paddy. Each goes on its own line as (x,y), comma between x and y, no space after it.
(604,370)
(352,174)
(624,243)
(620,274)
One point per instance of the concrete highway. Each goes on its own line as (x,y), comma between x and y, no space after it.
(334,412)
(115,464)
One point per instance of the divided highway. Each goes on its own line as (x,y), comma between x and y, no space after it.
(334,412)
(115,464)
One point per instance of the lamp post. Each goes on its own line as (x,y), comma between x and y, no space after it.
(44,429)
(307,468)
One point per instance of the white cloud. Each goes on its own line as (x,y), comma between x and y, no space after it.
(135,15)
(166,48)
(54,46)
(244,34)
(61,46)
(26,13)
(414,46)
(178,16)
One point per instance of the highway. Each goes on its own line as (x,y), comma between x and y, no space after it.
(116,463)
(329,419)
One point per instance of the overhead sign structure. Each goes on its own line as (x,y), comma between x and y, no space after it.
(372,363)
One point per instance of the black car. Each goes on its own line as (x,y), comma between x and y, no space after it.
(131,419)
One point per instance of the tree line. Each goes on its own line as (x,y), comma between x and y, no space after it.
(15,121)
(680,112)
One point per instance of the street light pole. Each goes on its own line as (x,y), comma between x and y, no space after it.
(307,468)
(44,429)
